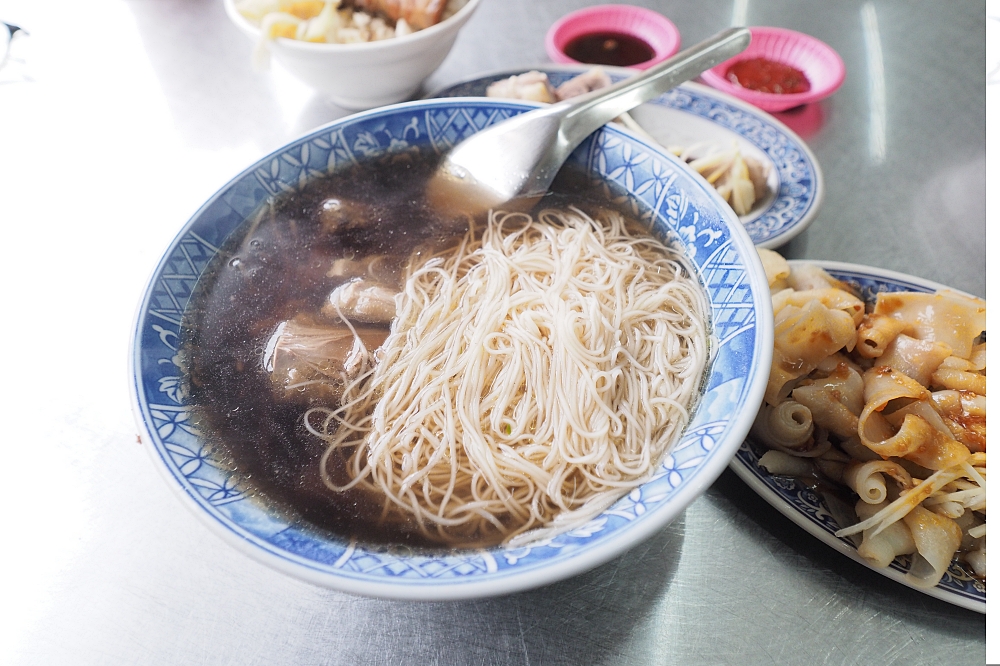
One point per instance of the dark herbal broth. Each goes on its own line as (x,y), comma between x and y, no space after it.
(609,48)
(275,267)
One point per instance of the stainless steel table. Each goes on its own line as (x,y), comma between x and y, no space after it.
(118,119)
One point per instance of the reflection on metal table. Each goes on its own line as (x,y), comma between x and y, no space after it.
(118,120)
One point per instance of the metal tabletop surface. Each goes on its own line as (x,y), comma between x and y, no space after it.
(118,119)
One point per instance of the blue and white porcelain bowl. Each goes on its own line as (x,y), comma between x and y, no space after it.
(683,208)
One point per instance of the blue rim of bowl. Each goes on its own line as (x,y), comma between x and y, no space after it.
(734,383)
(801,190)
(807,509)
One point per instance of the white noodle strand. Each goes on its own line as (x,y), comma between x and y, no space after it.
(533,375)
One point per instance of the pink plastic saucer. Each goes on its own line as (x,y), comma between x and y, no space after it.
(654,29)
(820,63)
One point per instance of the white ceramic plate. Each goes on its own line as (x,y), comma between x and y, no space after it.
(809,510)
(696,115)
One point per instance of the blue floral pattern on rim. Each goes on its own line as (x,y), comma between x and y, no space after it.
(687,212)
(957,586)
(800,187)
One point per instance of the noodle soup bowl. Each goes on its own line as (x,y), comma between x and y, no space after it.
(630,172)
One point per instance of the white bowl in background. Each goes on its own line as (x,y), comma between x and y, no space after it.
(369,74)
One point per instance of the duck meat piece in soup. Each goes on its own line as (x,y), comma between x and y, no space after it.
(362,301)
(312,360)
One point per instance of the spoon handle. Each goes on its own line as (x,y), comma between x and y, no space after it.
(583,115)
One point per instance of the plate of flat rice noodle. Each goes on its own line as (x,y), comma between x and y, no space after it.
(759,166)
(872,434)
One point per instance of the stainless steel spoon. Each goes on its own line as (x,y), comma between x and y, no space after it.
(512,163)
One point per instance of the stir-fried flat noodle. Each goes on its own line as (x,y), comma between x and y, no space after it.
(532,376)
(891,403)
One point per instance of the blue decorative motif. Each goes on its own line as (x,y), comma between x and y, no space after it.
(809,507)
(797,175)
(680,206)
(799,179)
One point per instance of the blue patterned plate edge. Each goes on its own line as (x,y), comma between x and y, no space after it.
(806,509)
(737,375)
(801,180)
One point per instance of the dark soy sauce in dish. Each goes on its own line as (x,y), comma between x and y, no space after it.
(275,266)
(609,48)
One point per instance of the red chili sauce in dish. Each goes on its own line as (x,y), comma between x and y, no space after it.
(768,76)
(609,48)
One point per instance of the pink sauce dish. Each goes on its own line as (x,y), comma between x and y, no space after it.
(614,35)
(821,65)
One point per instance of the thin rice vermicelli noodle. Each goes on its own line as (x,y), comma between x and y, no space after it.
(534,373)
